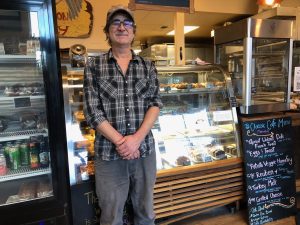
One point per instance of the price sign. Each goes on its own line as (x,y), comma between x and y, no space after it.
(22,102)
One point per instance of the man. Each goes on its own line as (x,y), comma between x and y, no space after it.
(122,102)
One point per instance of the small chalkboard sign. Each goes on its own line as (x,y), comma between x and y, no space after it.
(269,169)
(22,102)
(163,5)
(85,204)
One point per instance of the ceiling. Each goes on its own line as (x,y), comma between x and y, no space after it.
(152,26)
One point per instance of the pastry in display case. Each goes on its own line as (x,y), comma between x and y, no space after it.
(80,136)
(197,122)
(257,55)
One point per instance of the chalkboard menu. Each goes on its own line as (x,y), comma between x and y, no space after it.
(269,169)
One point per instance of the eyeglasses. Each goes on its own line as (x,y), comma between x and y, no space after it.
(126,23)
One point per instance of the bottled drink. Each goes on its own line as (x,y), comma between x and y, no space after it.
(14,156)
(3,168)
(24,153)
(44,153)
(34,155)
(6,154)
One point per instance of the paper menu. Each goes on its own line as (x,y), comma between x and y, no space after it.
(297,79)
(223,115)
(174,149)
(172,124)
(197,121)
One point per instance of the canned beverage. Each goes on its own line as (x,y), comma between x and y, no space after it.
(24,153)
(14,155)
(34,155)
(6,154)
(3,168)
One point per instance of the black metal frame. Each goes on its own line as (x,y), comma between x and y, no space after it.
(59,205)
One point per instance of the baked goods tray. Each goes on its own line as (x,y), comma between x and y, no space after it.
(193,90)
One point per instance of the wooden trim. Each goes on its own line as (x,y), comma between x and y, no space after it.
(198,187)
(170,187)
(194,189)
(297,185)
(219,202)
(190,198)
(181,181)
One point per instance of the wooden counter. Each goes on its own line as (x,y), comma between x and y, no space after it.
(198,187)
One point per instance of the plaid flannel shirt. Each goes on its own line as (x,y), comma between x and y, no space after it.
(120,99)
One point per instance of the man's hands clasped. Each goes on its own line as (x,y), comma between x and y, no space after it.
(128,147)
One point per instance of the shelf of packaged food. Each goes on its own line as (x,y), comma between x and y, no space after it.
(190,162)
(21,103)
(12,98)
(20,135)
(24,173)
(192,91)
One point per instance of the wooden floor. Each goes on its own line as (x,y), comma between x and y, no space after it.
(227,218)
(222,216)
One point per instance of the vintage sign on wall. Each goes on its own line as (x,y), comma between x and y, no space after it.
(74,18)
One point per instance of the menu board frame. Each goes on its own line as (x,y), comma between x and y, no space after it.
(186,6)
(269,168)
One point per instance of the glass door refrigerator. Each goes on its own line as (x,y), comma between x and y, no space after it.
(33,159)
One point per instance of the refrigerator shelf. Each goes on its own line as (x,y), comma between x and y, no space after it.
(24,173)
(11,98)
(24,134)
(18,59)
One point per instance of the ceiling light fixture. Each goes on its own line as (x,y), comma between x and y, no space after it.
(268,2)
(186,30)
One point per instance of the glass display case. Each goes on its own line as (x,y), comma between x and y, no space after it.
(195,136)
(197,122)
(257,54)
(196,125)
